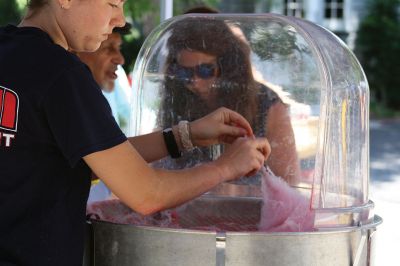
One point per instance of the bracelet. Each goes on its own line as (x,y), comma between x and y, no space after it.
(184,134)
(171,144)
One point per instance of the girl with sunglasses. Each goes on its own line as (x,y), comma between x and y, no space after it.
(208,66)
(56,127)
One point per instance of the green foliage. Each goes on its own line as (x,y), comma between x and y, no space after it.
(143,15)
(273,41)
(22,5)
(378,110)
(136,10)
(378,49)
(9,12)
(131,46)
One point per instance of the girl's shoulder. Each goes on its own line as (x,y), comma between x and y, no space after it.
(266,94)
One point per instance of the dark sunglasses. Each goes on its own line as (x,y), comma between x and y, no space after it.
(203,71)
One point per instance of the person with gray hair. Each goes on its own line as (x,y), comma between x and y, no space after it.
(103,63)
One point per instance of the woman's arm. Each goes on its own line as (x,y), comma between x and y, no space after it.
(283,161)
(222,125)
(151,147)
(147,190)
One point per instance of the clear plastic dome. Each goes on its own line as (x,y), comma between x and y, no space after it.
(297,84)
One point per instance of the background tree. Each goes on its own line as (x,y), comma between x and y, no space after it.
(9,12)
(144,15)
(378,49)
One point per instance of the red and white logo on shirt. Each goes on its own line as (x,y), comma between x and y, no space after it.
(9,104)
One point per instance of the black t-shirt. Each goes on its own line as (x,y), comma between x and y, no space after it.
(52,113)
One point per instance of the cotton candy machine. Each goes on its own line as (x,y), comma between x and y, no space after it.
(298,85)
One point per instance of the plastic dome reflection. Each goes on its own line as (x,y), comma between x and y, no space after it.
(297,84)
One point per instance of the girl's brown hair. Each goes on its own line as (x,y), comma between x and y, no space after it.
(236,88)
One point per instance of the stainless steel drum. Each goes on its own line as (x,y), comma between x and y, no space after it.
(121,245)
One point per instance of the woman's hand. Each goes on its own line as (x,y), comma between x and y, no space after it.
(243,158)
(221,126)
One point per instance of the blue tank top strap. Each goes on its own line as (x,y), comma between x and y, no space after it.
(266,98)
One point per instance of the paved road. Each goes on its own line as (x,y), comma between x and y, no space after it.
(385,188)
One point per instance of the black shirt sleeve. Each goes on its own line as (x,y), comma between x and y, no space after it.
(79,116)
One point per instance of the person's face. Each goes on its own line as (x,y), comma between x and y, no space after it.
(87,23)
(203,70)
(104,62)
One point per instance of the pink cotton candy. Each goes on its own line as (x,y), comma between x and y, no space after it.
(115,212)
(284,208)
